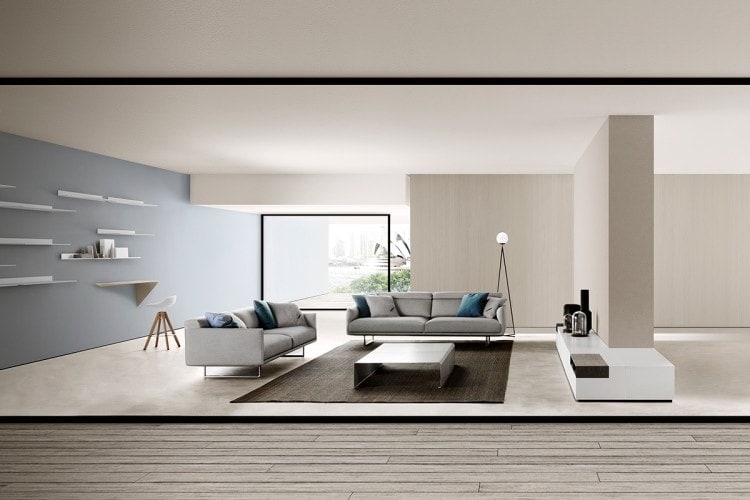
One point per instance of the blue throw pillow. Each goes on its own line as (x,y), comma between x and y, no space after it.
(220,320)
(265,315)
(472,305)
(364,309)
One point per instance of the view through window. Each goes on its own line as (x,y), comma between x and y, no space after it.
(319,261)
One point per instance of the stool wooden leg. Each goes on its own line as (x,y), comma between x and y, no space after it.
(151,332)
(166,316)
(158,329)
(164,322)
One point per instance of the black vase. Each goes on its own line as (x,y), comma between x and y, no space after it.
(586,310)
(569,309)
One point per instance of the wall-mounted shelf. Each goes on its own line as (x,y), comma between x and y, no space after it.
(37,242)
(98,197)
(30,206)
(7,265)
(142,287)
(70,257)
(7,186)
(31,280)
(120,232)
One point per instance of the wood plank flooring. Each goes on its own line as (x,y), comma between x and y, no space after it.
(364,461)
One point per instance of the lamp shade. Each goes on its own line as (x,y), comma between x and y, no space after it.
(502,238)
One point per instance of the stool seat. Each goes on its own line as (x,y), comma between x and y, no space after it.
(162,321)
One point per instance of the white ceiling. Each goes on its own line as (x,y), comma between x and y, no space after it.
(394,129)
(379,129)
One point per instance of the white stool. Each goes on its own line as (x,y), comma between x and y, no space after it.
(161,321)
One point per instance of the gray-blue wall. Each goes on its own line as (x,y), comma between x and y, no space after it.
(209,258)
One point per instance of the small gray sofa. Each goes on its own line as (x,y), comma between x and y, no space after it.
(252,346)
(427,314)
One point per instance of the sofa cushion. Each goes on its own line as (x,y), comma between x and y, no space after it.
(381,306)
(462,325)
(274,343)
(220,320)
(472,305)
(491,307)
(299,334)
(286,314)
(248,316)
(447,303)
(403,324)
(265,315)
(362,307)
(413,304)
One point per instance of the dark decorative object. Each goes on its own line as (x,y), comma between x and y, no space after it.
(585,308)
(568,310)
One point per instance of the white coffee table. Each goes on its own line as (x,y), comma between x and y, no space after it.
(441,354)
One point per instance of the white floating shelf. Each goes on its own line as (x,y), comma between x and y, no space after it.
(6,186)
(31,280)
(142,287)
(41,242)
(98,197)
(30,206)
(121,232)
(79,196)
(70,256)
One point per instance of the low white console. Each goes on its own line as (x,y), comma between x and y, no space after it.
(635,374)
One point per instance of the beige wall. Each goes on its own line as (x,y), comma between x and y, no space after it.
(702,250)
(591,229)
(454,221)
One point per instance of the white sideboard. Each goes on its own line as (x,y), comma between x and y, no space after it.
(635,374)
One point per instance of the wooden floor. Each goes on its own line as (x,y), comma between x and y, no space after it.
(350,460)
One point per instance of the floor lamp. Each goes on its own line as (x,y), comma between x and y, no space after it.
(502,239)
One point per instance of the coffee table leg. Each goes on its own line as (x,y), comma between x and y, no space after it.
(446,367)
(363,371)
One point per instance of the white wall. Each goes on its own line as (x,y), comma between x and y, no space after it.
(303,189)
(591,229)
(295,257)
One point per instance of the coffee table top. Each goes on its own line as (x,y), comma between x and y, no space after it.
(409,352)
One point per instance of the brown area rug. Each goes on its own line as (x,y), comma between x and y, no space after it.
(479,376)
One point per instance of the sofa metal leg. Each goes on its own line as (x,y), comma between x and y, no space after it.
(231,376)
(487,341)
(295,355)
(365,342)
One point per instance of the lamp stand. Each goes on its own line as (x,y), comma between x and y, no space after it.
(507,284)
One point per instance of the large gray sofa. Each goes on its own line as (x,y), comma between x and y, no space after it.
(252,346)
(427,314)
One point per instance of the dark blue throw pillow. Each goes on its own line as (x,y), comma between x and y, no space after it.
(220,320)
(472,305)
(364,309)
(265,315)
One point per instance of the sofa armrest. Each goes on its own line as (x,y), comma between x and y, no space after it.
(500,315)
(352,313)
(311,320)
(222,346)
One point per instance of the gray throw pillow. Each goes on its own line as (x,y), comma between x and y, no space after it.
(287,314)
(381,306)
(491,307)
(240,323)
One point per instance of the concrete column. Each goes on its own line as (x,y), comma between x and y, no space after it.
(614,230)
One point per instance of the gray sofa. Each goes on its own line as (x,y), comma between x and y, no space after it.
(252,346)
(427,314)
